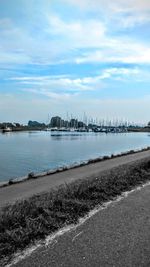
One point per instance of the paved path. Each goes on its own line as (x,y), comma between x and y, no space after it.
(118,236)
(26,189)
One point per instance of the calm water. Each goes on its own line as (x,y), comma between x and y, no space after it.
(23,152)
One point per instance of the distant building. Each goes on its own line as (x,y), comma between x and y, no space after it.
(73,123)
(56,122)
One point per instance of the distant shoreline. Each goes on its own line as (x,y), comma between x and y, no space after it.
(28,129)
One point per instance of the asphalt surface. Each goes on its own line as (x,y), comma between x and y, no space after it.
(118,236)
(28,188)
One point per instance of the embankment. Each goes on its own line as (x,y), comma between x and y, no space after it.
(32,219)
(94,168)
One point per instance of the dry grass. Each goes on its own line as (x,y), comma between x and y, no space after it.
(30,220)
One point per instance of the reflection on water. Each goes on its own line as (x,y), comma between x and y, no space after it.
(23,152)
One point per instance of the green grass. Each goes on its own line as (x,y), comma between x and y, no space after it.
(27,221)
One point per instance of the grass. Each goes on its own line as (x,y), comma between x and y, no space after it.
(27,221)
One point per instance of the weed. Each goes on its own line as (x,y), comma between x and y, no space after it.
(30,220)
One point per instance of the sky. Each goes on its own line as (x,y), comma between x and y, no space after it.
(75,57)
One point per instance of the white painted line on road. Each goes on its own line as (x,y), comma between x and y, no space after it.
(49,240)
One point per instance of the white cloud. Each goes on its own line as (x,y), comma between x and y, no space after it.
(126,13)
(68,40)
(93,34)
(114,6)
(120,73)
(122,51)
(52,95)
(63,87)
(19,45)
(54,43)
(60,84)
(60,41)
(87,33)
(133,20)
(133,5)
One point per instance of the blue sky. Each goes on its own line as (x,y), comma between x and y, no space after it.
(59,56)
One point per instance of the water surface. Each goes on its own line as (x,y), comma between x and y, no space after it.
(23,152)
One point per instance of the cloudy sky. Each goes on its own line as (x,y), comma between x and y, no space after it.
(75,56)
